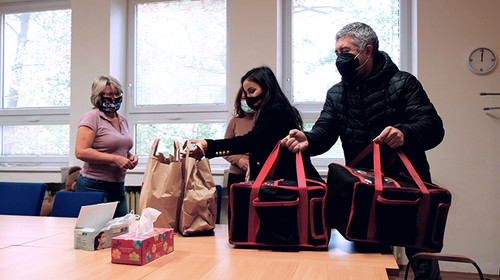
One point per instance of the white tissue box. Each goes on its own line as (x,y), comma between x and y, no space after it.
(88,234)
(131,249)
(91,239)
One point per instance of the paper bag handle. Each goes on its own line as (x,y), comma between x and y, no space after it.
(154,149)
(188,147)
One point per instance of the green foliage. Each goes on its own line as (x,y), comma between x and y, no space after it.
(37,49)
(315,23)
(36,140)
(181,52)
(169,132)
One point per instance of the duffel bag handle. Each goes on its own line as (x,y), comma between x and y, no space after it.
(272,160)
(377,167)
(302,187)
(423,212)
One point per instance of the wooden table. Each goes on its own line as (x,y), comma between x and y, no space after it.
(42,248)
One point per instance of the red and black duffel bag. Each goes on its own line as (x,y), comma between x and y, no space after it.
(279,212)
(396,210)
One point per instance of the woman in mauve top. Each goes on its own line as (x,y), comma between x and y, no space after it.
(103,142)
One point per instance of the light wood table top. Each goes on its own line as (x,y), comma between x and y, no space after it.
(42,248)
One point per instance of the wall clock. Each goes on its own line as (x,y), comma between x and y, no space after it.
(481,61)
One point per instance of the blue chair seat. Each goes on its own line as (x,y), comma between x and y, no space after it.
(68,204)
(21,198)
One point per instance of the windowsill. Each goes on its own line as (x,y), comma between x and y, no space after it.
(217,169)
(30,168)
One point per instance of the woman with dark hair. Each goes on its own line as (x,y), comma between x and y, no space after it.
(274,117)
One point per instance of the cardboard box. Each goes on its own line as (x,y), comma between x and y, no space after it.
(131,249)
(88,234)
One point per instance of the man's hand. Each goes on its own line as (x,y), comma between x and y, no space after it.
(392,136)
(295,140)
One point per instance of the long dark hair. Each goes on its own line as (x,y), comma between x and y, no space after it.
(271,89)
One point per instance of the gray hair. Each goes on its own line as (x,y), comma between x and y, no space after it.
(99,85)
(362,35)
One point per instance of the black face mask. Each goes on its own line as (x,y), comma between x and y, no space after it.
(347,64)
(255,102)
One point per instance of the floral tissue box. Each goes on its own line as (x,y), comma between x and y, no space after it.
(131,249)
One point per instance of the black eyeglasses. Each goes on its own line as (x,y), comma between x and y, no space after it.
(112,94)
(112,99)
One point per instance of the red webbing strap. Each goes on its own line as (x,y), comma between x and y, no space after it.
(361,155)
(253,218)
(423,209)
(302,211)
(377,168)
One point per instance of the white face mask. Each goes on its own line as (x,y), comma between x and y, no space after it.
(245,107)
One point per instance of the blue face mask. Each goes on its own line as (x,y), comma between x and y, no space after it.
(245,107)
(110,104)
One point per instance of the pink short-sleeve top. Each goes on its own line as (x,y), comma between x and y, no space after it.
(108,139)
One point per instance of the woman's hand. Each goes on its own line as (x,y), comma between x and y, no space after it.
(243,163)
(133,160)
(195,151)
(124,163)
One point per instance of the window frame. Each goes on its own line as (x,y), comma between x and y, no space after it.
(310,111)
(59,115)
(164,114)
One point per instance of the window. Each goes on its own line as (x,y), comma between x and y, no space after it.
(178,72)
(35,58)
(309,49)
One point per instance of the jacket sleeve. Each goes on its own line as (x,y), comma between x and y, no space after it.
(324,133)
(423,128)
(273,125)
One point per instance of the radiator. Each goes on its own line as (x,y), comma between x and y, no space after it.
(132,192)
(133,198)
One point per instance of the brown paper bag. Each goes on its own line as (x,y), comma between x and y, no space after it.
(199,206)
(162,186)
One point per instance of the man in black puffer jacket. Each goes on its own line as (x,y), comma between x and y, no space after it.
(374,100)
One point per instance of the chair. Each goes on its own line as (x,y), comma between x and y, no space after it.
(21,198)
(68,204)
(443,257)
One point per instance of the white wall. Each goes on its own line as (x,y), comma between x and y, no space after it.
(466,163)
(98,40)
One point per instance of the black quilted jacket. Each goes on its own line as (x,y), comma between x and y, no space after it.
(358,112)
